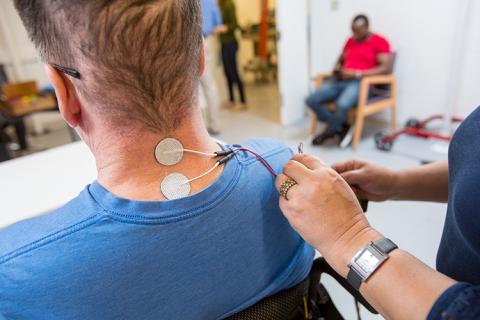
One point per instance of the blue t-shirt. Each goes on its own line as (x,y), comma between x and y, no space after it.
(459,253)
(206,256)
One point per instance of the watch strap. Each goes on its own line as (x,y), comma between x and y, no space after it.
(385,246)
(354,279)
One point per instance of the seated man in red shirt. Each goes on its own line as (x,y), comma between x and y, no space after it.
(364,54)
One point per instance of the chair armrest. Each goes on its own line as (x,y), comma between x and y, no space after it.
(380,79)
(388,79)
(320,78)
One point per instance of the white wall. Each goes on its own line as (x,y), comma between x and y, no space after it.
(423,34)
(469,94)
(16,48)
(292,57)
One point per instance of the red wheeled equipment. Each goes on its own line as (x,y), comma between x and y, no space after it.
(413,127)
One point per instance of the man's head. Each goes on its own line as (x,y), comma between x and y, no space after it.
(360,27)
(139,60)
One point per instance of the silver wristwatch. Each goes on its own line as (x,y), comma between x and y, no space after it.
(368,260)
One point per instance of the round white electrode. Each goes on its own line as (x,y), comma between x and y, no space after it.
(175,186)
(169,152)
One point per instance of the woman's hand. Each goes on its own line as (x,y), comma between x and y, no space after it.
(325,211)
(369,181)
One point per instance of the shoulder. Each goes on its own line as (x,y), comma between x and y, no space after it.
(470,127)
(474,116)
(266,146)
(349,42)
(464,145)
(28,235)
(377,38)
(274,152)
(380,43)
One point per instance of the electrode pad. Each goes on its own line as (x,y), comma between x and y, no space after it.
(169,152)
(175,186)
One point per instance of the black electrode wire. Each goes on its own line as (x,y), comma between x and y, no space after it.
(228,154)
(259,157)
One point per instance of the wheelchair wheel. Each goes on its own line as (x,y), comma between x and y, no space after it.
(412,123)
(382,143)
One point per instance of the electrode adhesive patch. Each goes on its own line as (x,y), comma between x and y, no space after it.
(175,186)
(169,152)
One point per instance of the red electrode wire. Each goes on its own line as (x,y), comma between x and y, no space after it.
(259,158)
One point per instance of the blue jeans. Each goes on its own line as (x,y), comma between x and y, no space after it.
(345,96)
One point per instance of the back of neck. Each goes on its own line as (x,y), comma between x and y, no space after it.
(127,166)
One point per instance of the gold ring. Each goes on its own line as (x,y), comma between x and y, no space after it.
(286,186)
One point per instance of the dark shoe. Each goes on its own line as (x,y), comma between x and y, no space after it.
(321,138)
(343,132)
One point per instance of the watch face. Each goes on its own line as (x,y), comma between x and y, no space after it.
(368,261)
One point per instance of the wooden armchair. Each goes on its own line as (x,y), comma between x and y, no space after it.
(371,100)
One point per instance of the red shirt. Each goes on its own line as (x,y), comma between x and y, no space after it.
(363,55)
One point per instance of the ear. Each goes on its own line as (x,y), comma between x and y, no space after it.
(68,102)
(202,59)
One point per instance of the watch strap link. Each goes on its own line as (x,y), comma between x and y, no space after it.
(354,279)
(385,246)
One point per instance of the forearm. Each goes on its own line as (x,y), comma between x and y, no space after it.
(402,288)
(380,70)
(339,64)
(424,183)
(384,66)
(325,211)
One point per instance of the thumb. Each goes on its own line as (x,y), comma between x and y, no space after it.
(354,177)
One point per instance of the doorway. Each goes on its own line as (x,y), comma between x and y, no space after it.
(257,59)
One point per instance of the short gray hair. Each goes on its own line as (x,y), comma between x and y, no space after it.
(139,59)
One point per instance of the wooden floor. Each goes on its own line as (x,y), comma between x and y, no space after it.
(264,101)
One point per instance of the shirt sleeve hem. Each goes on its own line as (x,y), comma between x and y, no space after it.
(445,300)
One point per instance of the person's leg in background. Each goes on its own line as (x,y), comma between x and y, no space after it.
(21,132)
(318,100)
(227,68)
(210,90)
(4,155)
(236,76)
(229,55)
(346,101)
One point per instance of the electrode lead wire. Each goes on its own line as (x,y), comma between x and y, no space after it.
(217,164)
(191,151)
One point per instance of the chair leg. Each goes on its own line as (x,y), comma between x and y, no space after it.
(358,130)
(394,118)
(313,122)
